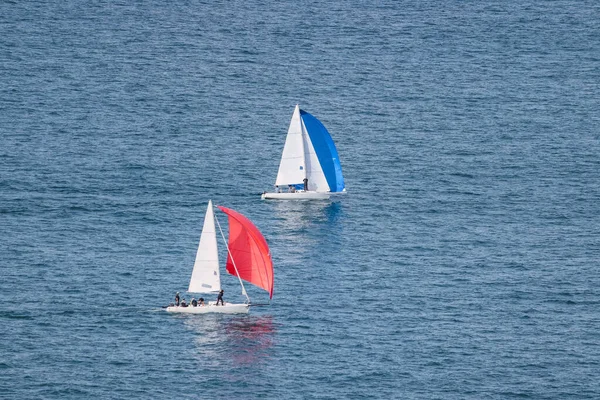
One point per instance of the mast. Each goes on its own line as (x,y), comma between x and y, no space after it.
(304,138)
(233,261)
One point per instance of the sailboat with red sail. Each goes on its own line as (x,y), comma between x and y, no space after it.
(248,258)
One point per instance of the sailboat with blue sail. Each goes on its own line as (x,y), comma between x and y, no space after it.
(310,166)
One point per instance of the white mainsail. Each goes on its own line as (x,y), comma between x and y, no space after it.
(292,168)
(205,276)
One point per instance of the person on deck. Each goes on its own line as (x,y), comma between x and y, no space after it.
(183,303)
(305,184)
(194,302)
(201,301)
(177,299)
(220,298)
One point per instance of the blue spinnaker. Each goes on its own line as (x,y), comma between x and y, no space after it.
(326,152)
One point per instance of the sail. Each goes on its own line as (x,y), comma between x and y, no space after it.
(325,150)
(292,165)
(250,251)
(316,178)
(205,276)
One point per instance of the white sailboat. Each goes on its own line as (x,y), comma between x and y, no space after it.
(310,166)
(248,258)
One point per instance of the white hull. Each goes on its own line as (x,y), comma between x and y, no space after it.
(300,195)
(228,308)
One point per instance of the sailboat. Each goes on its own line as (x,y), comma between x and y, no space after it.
(310,166)
(248,258)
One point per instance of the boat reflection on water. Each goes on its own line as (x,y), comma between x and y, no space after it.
(333,212)
(239,339)
(305,214)
(302,225)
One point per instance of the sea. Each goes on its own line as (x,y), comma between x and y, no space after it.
(462,263)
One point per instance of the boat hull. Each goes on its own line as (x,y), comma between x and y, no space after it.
(301,195)
(228,308)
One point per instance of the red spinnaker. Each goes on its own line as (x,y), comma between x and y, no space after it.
(250,252)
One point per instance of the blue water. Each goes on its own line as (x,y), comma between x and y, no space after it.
(462,264)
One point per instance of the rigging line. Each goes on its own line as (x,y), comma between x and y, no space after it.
(232,260)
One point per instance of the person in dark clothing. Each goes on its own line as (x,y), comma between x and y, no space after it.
(220,298)
(305,184)
(183,303)
(177,299)
(194,302)
(201,302)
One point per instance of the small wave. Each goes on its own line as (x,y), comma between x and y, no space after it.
(14,315)
(462,175)
(119,363)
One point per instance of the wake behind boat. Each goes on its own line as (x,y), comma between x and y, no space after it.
(248,258)
(310,166)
